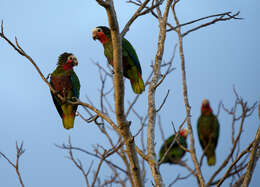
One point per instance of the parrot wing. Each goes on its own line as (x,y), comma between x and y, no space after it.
(129,50)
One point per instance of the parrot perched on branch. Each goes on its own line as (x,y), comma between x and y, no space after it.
(176,152)
(66,83)
(208,132)
(131,65)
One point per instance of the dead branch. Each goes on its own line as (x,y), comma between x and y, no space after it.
(103,69)
(220,17)
(119,92)
(19,152)
(227,14)
(179,177)
(78,163)
(169,69)
(247,150)
(67,147)
(231,174)
(164,100)
(252,160)
(246,111)
(151,94)
(134,17)
(200,178)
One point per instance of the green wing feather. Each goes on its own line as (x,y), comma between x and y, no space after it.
(131,65)
(75,85)
(128,50)
(208,132)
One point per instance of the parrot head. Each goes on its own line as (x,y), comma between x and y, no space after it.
(101,33)
(184,133)
(205,107)
(67,60)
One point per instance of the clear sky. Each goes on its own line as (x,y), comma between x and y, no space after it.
(217,57)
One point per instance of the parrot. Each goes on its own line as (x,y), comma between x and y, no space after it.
(66,83)
(131,65)
(208,132)
(176,152)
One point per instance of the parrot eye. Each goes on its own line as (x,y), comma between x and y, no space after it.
(99,30)
(71,57)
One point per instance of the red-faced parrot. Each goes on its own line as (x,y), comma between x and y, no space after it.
(176,152)
(131,65)
(208,132)
(66,83)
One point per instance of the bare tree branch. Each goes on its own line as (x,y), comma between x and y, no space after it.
(19,152)
(233,164)
(151,94)
(252,160)
(103,3)
(123,125)
(220,18)
(228,14)
(134,17)
(200,178)
(164,100)
(67,147)
(246,111)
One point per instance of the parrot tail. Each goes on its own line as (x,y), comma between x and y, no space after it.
(211,159)
(68,121)
(137,84)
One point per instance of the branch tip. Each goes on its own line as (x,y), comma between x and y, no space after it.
(2,27)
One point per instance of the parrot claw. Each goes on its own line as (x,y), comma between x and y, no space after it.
(48,76)
(74,99)
(132,139)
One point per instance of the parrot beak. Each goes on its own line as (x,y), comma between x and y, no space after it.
(205,102)
(94,34)
(75,62)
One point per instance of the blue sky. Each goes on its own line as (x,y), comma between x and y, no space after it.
(217,57)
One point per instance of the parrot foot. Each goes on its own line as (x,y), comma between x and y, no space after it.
(74,99)
(48,76)
(129,123)
(132,139)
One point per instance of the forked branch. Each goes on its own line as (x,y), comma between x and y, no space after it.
(19,152)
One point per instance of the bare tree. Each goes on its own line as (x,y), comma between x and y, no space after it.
(239,164)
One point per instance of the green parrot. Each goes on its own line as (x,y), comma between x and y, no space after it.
(176,153)
(65,82)
(131,65)
(208,132)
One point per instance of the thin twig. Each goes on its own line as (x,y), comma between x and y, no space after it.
(164,100)
(253,159)
(200,178)
(19,152)
(67,147)
(220,18)
(245,111)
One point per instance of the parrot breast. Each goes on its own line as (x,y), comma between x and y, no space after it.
(62,84)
